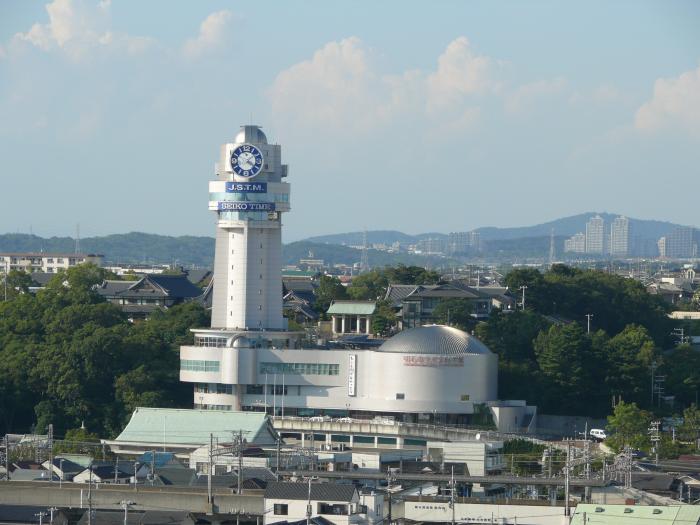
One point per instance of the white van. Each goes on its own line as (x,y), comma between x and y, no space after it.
(598,434)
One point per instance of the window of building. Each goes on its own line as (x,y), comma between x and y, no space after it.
(326,369)
(224,389)
(328,508)
(277,390)
(254,389)
(217,342)
(281,509)
(194,365)
(400,396)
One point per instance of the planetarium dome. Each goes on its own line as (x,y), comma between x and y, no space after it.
(434,339)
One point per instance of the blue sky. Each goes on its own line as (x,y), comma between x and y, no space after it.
(413,116)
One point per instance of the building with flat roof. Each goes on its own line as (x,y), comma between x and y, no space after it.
(248,359)
(45,262)
(595,235)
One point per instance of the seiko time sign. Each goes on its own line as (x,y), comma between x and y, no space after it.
(245,206)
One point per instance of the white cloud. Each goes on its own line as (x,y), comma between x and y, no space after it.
(213,33)
(336,86)
(339,86)
(526,96)
(460,73)
(675,103)
(78,27)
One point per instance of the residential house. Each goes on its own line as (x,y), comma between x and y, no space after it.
(340,504)
(151,292)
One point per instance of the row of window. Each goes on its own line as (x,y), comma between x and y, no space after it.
(278,390)
(195,365)
(314,369)
(212,407)
(213,388)
(217,342)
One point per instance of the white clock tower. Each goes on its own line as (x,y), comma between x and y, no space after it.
(249,198)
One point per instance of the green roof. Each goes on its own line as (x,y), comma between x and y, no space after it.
(352,307)
(173,426)
(637,514)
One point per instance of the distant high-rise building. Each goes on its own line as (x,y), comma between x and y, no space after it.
(576,243)
(620,237)
(681,243)
(595,235)
(661,243)
(435,246)
(462,242)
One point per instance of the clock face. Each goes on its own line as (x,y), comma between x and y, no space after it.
(246,161)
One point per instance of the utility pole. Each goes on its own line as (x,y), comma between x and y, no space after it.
(654,366)
(567,469)
(308,505)
(50,446)
(523,288)
(41,517)
(7,457)
(452,494)
(125,505)
(60,474)
(90,495)
(239,446)
(588,318)
(654,437)
(211,462)
(52,510)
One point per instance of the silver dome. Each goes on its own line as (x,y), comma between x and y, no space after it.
(251,135)
(434,339)
(241,342)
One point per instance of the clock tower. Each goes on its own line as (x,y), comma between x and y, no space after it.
(248,199)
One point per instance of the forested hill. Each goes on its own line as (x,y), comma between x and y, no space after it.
(563,227)
(137,248)
(133,248)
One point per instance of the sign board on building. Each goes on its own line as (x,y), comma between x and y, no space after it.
(246,187)
(352,373)
(432,360)
(245,206)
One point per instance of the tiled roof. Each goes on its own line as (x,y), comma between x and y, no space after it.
(319,491)
(396,292)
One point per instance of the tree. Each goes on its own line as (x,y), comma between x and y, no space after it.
(681,366)
(368,286)
(690,429)
(628,426)
(511,334)
(403,274)
(457,312)
(384,318)
(329,289)
(563,355)
(629,357)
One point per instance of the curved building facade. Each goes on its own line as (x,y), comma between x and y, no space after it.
(248,360)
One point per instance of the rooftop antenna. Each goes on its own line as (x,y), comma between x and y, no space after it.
(551,247)
(77,238)
(364,264)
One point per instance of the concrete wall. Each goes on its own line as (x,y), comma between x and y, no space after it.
(432,511)
(152,498)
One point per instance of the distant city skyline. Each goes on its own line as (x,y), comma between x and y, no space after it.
(471,115)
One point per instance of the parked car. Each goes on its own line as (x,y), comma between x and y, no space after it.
(320,418)
(344,420)
(598,434)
